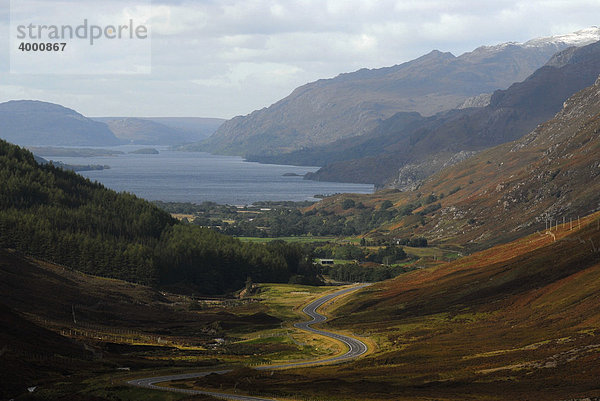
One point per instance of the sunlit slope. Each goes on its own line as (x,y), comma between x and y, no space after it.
(552,173)
(506,270)
(506,323)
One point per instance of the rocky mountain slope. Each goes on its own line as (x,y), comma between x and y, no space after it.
(549,176)
(35,123)
(354,103)
(407,148)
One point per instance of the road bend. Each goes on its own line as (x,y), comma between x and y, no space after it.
(356,348)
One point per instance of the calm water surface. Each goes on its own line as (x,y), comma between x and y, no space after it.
(197,177)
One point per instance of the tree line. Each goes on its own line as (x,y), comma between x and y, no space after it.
(351,272)
(283,219)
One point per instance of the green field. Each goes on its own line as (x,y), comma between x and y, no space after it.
(303,239)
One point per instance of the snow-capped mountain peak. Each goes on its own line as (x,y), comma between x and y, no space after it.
(555,43)
(578,38)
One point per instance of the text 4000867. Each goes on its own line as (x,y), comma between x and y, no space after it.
(42,47)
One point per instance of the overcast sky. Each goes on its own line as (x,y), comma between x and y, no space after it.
(229,57)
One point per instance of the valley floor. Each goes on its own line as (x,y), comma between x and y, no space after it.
(520,321)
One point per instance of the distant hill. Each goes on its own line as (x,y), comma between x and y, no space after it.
(145,151)
(201,127)
(406,148)
(161,131)
(354,103)
(35,123)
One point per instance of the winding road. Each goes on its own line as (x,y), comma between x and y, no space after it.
(356,348)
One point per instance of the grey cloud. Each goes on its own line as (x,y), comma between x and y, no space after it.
(224,58)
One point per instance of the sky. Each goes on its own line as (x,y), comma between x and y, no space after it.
(209,58)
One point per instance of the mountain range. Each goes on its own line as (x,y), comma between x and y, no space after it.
(355,103)
(406,148)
